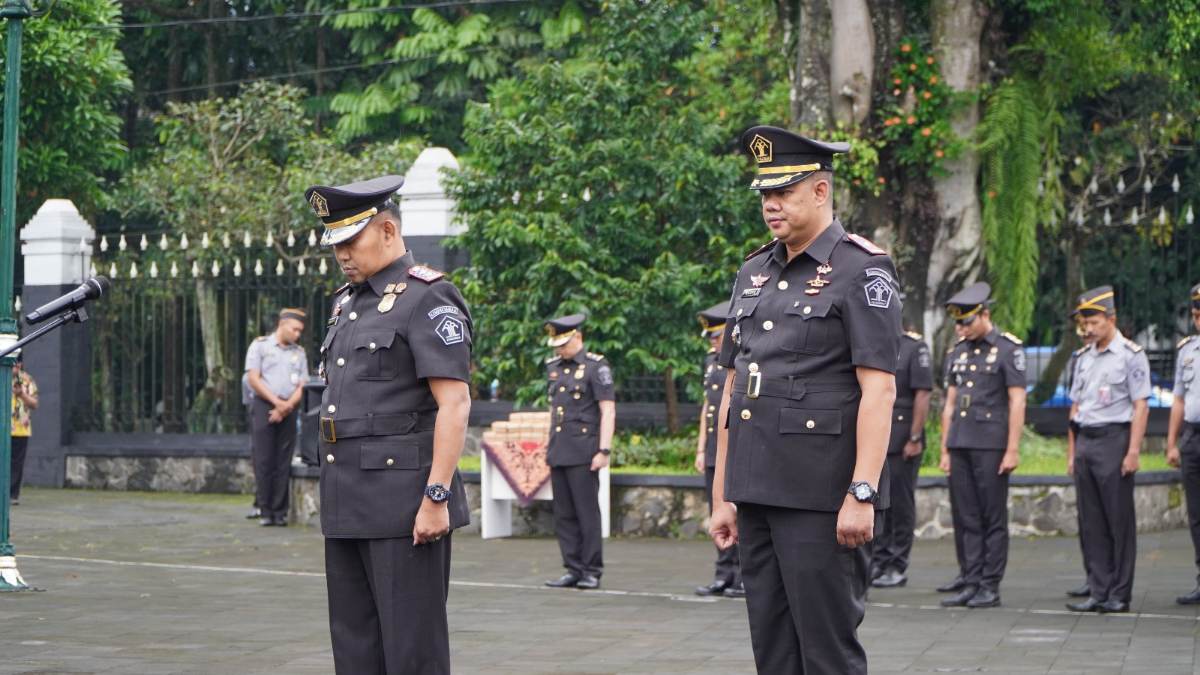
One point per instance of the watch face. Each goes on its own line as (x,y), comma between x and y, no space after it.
(862,492)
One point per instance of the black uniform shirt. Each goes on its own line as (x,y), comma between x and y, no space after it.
(913,372)
(794,404)
(714,382)
(983,370)
(377,409)
(575,387)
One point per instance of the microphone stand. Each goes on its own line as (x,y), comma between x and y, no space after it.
(10,577)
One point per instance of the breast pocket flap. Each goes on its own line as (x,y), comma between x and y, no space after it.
(389,455)
(805,421)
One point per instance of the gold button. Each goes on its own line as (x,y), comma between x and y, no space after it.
(371,346)
(560,408)
(753,367)
(976,350)
(810,424)
(745,414)
(962,414)
(341,361)
(739,312)
(988,415)
(972,367)
(712,408)
(971,384)
(558,428)
(353,316)
(390,461)
(715,386)
(768,325)
(329,459)
(584,430)
(808,310)
(575,396)
(899,418)
(562,388)
(332,408)
(783,285)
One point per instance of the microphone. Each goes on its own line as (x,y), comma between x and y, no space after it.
(88,290)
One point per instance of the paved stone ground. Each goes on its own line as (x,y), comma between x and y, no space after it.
(153,583)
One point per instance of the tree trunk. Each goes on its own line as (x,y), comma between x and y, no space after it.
(672,397)
(852,61)
(807,38)
(207,405)
(1075,242)
(956,254)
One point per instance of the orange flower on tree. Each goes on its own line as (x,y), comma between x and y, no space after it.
(938,153)
(911,119)
(926,131)
(926,95)
(906,48)
(933,79)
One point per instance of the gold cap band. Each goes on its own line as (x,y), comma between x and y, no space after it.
(1090,304)
(352,219)
(794,168)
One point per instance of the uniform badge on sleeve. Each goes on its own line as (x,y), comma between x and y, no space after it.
(450,330)
(879,293)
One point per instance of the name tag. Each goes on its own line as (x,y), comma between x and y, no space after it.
(751,292)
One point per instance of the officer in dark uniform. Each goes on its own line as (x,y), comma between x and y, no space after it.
(583,415)
(727,577)
(1185,416)
(959,582)
(393,421)
(810,350)
(1109,409)
(914,384)
(981,437)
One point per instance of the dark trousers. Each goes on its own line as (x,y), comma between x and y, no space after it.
(728,569)
(1189,466)
(805,593)
(20,444)
(893,544)
(1105,501)
(272,446)
(577,518)
(979,504)
(387,605)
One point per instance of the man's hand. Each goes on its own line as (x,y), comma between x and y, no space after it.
(699,463)
(944,462)
(1173,455)
(1130,464)
(912,449)
(599,461)
(722,525)
(274,417)
(1009,462)
(432,523)
(855,523)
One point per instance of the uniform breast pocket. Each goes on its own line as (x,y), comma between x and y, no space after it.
(374,349)
(808,324)
(382,456)
(805,421)
(1117,380)
(1187,374)
(328,341)
(743,309)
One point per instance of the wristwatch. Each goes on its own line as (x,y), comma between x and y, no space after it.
(437,493)
(863,492)
(605,451)
(915,438)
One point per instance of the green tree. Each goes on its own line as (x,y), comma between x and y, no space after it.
(71,80)
(600,185)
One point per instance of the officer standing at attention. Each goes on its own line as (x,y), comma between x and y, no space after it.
(396,361)
(583,413)
(1083,590)
(1110,408)
(810,350)
(276,369)
(959,582)
(981,437)
(727,578)
(1185,416)
(914,384)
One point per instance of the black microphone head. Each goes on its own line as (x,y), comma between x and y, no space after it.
(97,286)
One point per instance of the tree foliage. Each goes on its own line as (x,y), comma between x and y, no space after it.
(71,80)
(598,184)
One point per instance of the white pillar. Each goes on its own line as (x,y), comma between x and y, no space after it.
(51,245)
(427,213)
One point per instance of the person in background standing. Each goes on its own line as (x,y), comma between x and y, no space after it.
(25,401)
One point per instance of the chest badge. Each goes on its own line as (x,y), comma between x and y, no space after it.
(553,375)
(389,297)
(817,283)
(579,374)
(759,279)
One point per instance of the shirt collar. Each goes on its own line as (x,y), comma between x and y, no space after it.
(393,273)
(1118,341)
(991,336)
(821,247)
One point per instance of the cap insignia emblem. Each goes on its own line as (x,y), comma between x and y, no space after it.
(319,205)
(761,147)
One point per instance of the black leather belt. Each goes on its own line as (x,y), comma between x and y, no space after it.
(397,424)
(754,385)
(1099,430)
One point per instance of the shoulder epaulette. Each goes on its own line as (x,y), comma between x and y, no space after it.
(342,288)
(553,359)
(1134,347)
(865,244)
(260,338)
(762,249)
(426,274)
(595,357)
(1012,338)
(1080,351)
(959,340)
(1184,341)
(914,335)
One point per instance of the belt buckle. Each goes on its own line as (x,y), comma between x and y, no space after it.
(331,437)
(754,385)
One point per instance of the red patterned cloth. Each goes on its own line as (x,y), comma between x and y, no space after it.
(523,465)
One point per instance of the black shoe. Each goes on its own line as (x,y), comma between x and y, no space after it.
(14,502)
(1114,607)
(280,521)
(954,586)
(1088,605)
(735,591)
(890,579)
(588,583)
(1083,591)
(254,513)
(266,522)
(1192,598)
(984,597)
(565,581)
(715,588)
(876,571)
(961,598)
